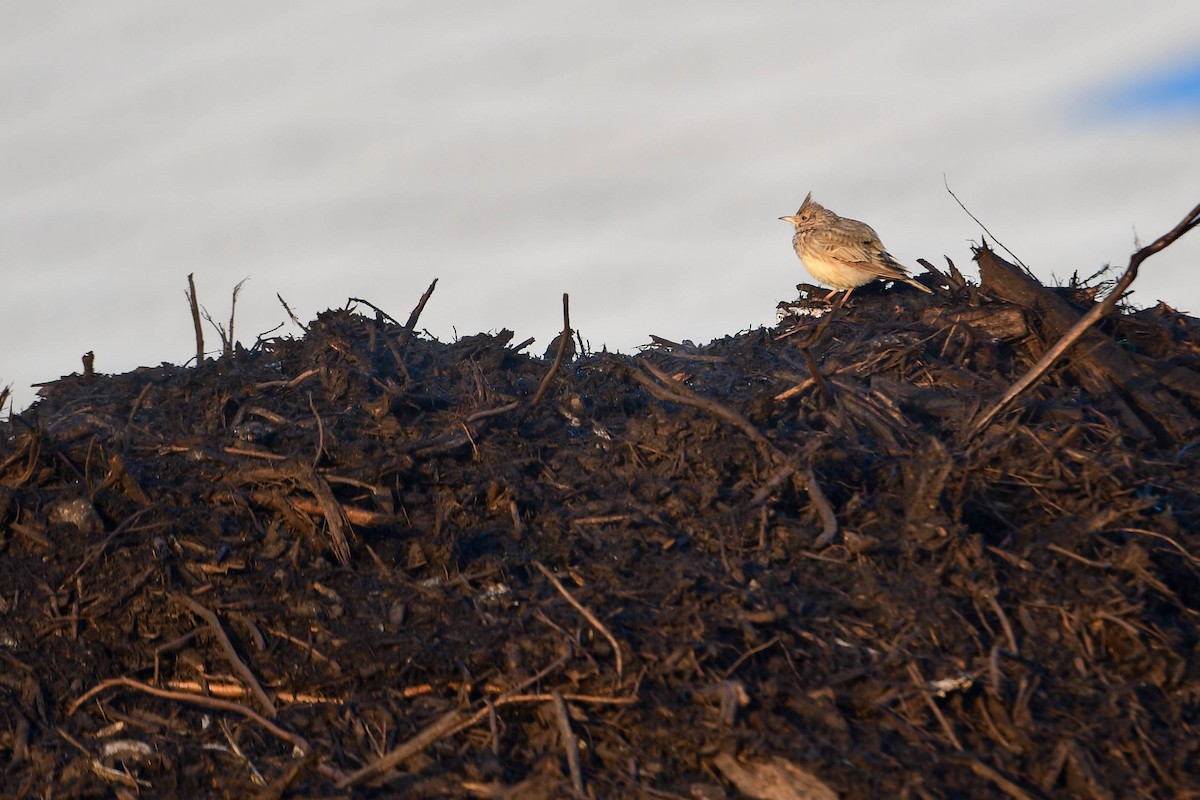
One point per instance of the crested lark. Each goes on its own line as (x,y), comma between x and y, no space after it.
(843,253)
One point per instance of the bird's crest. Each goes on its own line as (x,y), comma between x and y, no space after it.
(810,209)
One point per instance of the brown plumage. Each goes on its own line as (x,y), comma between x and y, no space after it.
(843,253)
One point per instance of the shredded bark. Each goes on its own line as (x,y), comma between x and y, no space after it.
(782,565)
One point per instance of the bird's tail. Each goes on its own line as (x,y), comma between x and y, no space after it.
(919,285)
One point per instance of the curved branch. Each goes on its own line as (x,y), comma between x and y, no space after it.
(1096,313)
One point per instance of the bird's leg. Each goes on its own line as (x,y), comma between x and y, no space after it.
(844,298)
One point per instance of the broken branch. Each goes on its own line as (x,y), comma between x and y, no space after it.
(1094,314)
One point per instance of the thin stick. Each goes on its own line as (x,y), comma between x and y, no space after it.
(815,370)
(290,313)
(805,346)
(824,509)
(232,312)
(760,496)
(677,392)
(377,309)
(299,379)
(542,697)
(563,339)
(231,654)
(1008,630)
(455,721)
(1182,550)
(195,304)
(915,674)
(137,404)
(787,394)
(493,726)
(231,690)
(409,326)
(1094,314)
(430,734)
(946,182)
(337,521)
(570,743)
(308,648)
(320,432)
(588,615)
(363,517)
(753,651)
(507,700)
(492,412)
(124,527)
(200,700)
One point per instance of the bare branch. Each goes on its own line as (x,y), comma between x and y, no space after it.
(563,340)
(409,326)
(290,313)
(195,304)
(985,228)
(1094,314)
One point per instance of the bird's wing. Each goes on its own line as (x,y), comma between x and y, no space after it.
(867,254)
(888,259)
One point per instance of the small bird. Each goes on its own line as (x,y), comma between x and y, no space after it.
(843,253)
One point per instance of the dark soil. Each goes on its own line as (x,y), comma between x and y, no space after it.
(365,563)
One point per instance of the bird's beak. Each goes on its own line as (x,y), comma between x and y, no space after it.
(789,219)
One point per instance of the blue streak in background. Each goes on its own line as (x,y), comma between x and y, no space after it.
(1171,91)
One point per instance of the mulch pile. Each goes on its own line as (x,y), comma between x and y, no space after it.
(365,562)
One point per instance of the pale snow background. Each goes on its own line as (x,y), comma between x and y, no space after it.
(633,154)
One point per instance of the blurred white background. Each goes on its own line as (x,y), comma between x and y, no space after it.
(633,154)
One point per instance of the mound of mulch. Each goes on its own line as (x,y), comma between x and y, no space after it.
(786,564)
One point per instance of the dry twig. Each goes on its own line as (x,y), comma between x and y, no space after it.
(1094,314)
(675,391)
(824,509)
(428,735)
(291,314)
(200,700)
(981,225)
(563,340)
(922,690)
(336,520)
(410,326)
(569,741)
(195,305)
(588,615)
(231,653)
(375,308)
